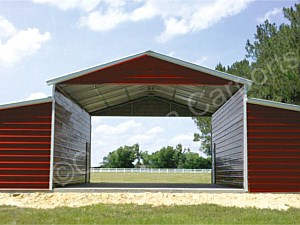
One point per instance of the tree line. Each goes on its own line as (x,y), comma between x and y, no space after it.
(167,157)
(272,62)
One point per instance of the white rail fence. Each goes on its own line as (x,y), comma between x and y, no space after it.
(147,170)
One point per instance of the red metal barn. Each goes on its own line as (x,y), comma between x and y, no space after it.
(46,143)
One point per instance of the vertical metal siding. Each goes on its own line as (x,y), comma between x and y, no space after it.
(228,137)
(273,149)
(72,136)
(25,139)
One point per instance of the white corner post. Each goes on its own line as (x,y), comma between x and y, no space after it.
(52,139)
(245,140)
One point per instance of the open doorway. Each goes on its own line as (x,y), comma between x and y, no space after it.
(152,150)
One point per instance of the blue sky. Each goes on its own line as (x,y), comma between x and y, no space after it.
(42,39)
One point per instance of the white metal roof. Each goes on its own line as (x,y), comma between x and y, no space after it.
(273,104)
(156,55)
(25,103)
(97,98)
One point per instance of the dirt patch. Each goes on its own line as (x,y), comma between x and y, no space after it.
(242,200)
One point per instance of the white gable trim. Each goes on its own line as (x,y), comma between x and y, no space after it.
(156,55)
(25,103)
(273,104)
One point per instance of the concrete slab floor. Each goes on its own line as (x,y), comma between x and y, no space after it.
(148,187)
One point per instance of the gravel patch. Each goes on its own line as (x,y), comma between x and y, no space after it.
(241,200)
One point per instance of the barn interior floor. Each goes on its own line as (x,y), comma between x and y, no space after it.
(147,187)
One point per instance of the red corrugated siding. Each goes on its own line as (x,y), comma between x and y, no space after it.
(25,140)
(273,149)
(148,70)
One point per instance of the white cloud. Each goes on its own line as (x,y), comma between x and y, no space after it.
(201,16)
(173,28)
(147,137)
(119,129)
(140,138)
(86,5)
(154,131)
(19,43)
(36,95)
(202,61)
(172,54)
(186,140)
(179,17)
(7,29)
(147,11)
(182,138)
(98,21)
(97,120)
(268,16)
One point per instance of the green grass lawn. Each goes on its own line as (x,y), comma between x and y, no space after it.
(151,177)
(134,214)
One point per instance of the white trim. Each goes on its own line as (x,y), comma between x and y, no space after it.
(203,69)
(273,104)
(94,189)
(156,55)
(25,103)
(52,140)
(245,141)
(85,71)
(3,190)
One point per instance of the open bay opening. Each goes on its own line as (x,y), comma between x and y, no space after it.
(158,150)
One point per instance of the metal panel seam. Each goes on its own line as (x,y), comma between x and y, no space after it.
(52,140)
(245,141)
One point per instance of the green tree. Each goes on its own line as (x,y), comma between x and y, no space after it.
(204,125)
(192,160)
(164,158)
(123,157)
(178,157)
(241,68)
(220,67)
(179,154)
(138,155)
(276,59)
(146,158)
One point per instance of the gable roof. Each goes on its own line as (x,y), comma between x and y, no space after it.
(184,64)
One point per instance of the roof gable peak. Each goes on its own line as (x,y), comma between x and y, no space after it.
(150,53)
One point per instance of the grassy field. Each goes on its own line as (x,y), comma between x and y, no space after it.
(134,214)
(151,178)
